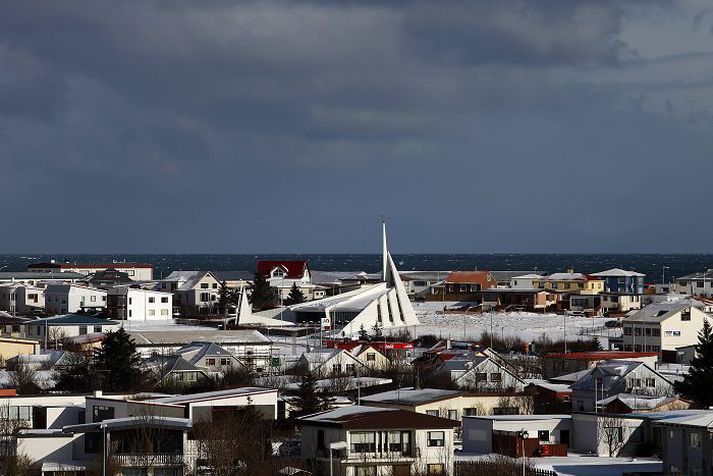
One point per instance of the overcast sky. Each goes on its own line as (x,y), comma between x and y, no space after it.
(240,127)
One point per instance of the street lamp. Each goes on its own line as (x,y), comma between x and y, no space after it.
(337,445)
(523,434)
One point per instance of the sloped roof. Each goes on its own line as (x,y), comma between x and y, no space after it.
(468,277)
(196,351)
(657,312)
(233,275)
(639,402)
(411,396)
(608,374)
(294,268)
(617,273)
(73,320)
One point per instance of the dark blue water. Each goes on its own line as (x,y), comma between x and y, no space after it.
(650,264)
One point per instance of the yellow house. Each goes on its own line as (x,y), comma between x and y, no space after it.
(13,346)
(570,282)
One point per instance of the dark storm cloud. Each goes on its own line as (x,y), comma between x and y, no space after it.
(289,126)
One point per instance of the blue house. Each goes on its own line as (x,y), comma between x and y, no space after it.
(622,282)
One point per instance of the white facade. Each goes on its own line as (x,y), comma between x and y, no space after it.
(140,305)
(662,327)
(526,281)
(21,299)
(548,429)
(69,298)
(136,271)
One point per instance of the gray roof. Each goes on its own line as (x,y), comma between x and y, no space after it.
(73,320)
(216,395)
(411,396)
(506,276)
(657,312)
(130,422)
(617,273)
(608,374)
(9,275)
(696,276)
(196,351)
(204,334)
(233,275)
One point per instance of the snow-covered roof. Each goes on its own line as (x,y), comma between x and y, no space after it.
(638,402)
(411,396)
(616,273)
(657,312)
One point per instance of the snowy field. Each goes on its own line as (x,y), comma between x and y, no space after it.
(526,325)
(583,465)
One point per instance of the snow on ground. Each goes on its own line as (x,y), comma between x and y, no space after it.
(526,325)
(577,465)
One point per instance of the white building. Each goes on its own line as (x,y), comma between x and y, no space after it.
(140,305)
(360,440)
(478,431)
(481,374)
(663,327)
(70,298)
(194,292)
(136,271)
(525,281)
(69,325)
(21,298)
(385,304)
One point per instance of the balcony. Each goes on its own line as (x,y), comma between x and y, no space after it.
(351,457)
(144,460)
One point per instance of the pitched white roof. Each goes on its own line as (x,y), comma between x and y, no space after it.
(617,272)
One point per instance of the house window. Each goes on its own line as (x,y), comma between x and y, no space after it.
(337,368)
(686,315)
(656,332)
(152,300)
(82,330)
(432,412)
(363,442)
(543,435)
(350,368)
(474,288)
(437,469)
(152,312)
(371,357)
(225,362)
(210,362)
(215,285)
(93,298)
(97,328)
(694,439)
(463,288)
(164,300)
(627,331)
(101,413)
(481,377)
(365,471)
(204,285)
(164,312)
(452,414)
(436,438)
(205,297)
(496,377)
(650,382)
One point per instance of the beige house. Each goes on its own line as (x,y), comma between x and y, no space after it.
(12,347)
(370,357)
(662,327)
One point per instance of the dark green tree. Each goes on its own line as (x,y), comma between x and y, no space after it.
(77,375)
(377,334)
(295,297)
(261,296)
(227,299)
(363,335)
(118,364)
(308,399)
(697,384)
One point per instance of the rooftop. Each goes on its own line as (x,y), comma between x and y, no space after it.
(602,355)
(411,396)
(617,273)
(73,320)
(364,417)
(216,395)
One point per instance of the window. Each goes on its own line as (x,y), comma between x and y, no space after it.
(82,330)
(481,377)
(436,438)
(152,312)
(350,368)
(204,285)
(452,414)
(463,288)
(371,357)
(93,298)
(656,332)
(506,411)
(97,328)
(363,442)
(130,300)
(365,471)
(496,377)
(637,331)
(164,312)
(627,331)
(210,362)
(400,442)
(650,382)
(435,469)
(647,331)
(205,297)
(225,362)
(686,315)
(277,273)
(100,413)
(164,300)
(337,368)
(21,413)
(474,288)
(215,285)
(432,412)
(543,435)
(152,300)
(694,439)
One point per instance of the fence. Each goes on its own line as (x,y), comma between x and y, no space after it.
(497,468)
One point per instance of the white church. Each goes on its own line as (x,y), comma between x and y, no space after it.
(385,303)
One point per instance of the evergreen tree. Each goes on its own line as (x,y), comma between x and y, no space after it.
(77,375)
(296,296)
(377,333)
(363,335)
(308,399)
(261,296)
(696,385)
(118,364)
(227,298)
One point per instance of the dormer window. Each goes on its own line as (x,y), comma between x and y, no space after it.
(278,273)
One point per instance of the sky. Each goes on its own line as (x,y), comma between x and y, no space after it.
(474,126)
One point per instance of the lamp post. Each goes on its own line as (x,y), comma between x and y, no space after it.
(103,427)
(337,445)
(663,274)
(523,434)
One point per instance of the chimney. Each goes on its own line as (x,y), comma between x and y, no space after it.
(98,393)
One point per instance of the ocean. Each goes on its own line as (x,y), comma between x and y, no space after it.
(650,264)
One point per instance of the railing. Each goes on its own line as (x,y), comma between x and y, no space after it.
(490,468)
(157,459)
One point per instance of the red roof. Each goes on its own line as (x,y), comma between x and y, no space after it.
(469,277)
(89,265)
(293,269)
(602,355)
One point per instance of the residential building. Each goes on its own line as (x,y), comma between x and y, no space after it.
(39,279)
(17,298)
(194,292)
(525,281)
(570,282)
(174,368)
(547,435)
(58,327)
(234,279)
(211,357)
(278,270)
(635,403)
(107,278)
(136,271)
(466,285)
(614,377)
(696,284)
(620,281)
(685,442)
(11,347)
(549,397)
(370,356)
(70,298)
(663,328)
(554,365)
(362,440)
(481,374)
(504,279)
(330,362)
(620,303)
(421,285)
(139,305)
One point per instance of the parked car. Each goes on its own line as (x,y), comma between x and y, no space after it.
(613,324)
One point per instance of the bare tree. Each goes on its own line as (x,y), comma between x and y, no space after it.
(24,379)
(611,432)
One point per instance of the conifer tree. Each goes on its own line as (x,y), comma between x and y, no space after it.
(377,333)
(118,364)
(363,335)
(308,399)
(697,384)
(261,296)
(296,296)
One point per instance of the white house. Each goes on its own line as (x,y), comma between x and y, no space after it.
(136,271)
(21,298)
(360,440)
(325,362)
(193,291)
(526,281)
(481,374)
(70,298)
(663,327)
(479,431)
(140,305)
(68,325)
